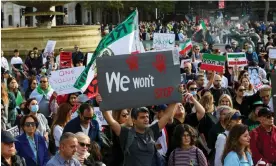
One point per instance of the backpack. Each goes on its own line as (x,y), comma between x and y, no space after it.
(158,160)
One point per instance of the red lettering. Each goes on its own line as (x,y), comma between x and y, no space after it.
(163,92)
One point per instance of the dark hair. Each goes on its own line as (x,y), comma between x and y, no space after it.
(30,81)
(35,48)
(30,53)
(68,99)
(95,151)
(66,136)
(83,107)
(179,132)
(24,118)
(16,50)
(237,85)
(232,142)
(242,73)
(135,112)
(26,111)
(9,80)
(190,82)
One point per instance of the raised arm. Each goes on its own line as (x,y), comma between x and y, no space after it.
(115,126)
(200,111)
(169,112)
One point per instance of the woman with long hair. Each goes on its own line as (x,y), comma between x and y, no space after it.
(231,119)
(237,151)
(14,89)
(249,88)
(239,94)
(32,85)
(9,103)
(225,100)
(61,119)
(186,153)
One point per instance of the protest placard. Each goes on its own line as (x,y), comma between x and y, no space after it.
(62,81)
(254,76)
(50,47)
(183,61)
(272,53)
(237,59)
(130,81)
(99,116)
(163,41)
(65,60)
(213,62)
(14,131)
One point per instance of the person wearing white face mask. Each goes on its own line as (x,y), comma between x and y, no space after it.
(32,108)
(251,55)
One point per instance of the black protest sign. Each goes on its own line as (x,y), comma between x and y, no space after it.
(131,81)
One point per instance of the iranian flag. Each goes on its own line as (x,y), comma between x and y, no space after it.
(213,62)
(237,59)
(202,26)
(121,40)
(186,47)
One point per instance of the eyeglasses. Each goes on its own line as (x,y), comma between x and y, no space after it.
(87,118)
(84,144)
(28,124)
(242,90)
(43,81)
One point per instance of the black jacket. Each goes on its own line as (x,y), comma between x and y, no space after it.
(16,161)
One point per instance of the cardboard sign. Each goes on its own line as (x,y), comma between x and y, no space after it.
(14,131)
(272,53)
(50,47)
(163,41)
(213,62)
(130,81)
(99,116)
(237,59)
(62,81)
(65,60)
(254,76)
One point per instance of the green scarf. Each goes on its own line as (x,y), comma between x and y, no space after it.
(43,92)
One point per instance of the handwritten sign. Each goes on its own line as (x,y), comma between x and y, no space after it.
(99,116)
(50,47)
(130,81)
(163,41)
(65,60)
(272,53)
(14,131)
(62,81)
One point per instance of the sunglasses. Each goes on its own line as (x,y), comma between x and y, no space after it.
(87,118)
(241,90)
(84,144)
(28,124)
(193,89)
(43,81)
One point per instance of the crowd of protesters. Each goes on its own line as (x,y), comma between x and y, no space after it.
(223,119)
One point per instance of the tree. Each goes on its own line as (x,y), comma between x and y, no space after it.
(266,11)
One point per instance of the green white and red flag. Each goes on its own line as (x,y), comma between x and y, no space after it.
(213,62)
(186,46)
(237,59)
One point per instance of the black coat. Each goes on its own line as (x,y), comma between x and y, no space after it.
(16,161)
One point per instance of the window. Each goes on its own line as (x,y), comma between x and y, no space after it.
(10,20)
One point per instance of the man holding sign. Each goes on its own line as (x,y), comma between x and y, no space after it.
(141,134)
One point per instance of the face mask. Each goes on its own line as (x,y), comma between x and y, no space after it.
(43,70)
(34,108)
(250,50)
(193,93)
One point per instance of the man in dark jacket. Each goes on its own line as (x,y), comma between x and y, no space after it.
(77,55)
(85,123)
(8,152)
(217,90)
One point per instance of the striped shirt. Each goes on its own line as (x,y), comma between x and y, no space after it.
(191,157)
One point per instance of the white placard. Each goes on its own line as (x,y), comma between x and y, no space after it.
(14,131)
(254,76)
(99,116)
(163,41)
(50,47)
(62,81)
(272,53)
